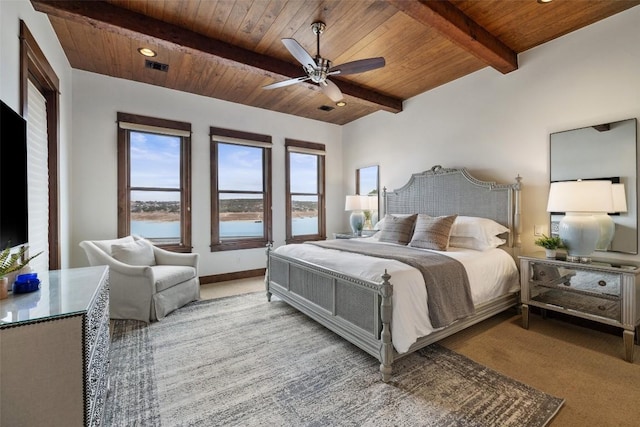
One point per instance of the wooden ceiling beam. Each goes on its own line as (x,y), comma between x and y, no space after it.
(105,16)
(462,30)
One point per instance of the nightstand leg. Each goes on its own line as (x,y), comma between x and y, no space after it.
(525,316)
(628,345)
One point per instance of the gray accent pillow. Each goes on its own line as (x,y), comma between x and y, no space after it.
(139,252)
(432,232)
(397,229)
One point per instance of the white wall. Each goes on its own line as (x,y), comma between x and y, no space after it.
(96,101)
(11,12)
(498,126)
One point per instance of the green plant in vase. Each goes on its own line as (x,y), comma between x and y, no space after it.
(550,244)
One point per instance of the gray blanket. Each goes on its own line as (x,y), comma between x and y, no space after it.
(448,292)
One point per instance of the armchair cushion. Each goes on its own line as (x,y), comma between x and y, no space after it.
(105,245)
(170,275)
(139,252)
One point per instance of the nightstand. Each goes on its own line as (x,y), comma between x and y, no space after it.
(604,291)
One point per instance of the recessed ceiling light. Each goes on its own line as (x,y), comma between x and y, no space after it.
(146,51)
(544,1)
(341,103)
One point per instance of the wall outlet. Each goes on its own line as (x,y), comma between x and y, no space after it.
(539,230)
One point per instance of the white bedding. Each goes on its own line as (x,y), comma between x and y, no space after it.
(491,273)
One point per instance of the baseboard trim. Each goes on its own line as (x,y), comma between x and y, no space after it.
(215,278)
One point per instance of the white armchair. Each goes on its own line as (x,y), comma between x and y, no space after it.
(145,282)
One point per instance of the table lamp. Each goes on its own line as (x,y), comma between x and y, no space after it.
(607,226)
(356,204)
(580,200)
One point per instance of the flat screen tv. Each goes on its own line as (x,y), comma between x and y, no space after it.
(13,178)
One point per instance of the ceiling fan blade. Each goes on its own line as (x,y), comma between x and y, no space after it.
(358,66)
(332,91)
(286,82)
(299,53)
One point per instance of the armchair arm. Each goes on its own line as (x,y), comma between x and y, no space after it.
(164,257)
(98,257)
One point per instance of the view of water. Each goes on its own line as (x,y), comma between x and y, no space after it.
(157,229)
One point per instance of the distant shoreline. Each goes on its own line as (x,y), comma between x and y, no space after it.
(230,216)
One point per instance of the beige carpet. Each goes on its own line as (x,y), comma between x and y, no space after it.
(581,365)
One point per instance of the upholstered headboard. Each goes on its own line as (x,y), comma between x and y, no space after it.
(441,191)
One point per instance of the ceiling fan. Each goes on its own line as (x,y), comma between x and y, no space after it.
(319,69)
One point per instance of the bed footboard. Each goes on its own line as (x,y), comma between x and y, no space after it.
(358,310)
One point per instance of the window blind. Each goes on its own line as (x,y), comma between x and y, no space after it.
(153,129)
(37,178)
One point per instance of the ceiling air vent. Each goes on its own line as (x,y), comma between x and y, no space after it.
(325,108)
(156,65)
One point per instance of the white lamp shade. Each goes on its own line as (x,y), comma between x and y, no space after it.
(580,196)
(356,203)
(372,203)
(619,198)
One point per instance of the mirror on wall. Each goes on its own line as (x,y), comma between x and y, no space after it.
(602,151)
(367,182)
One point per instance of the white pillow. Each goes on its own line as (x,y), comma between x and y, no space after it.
(473,243)
(482,229)
(139,252)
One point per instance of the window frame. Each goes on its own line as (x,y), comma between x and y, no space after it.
(230,136)
(124,177)
(304,147)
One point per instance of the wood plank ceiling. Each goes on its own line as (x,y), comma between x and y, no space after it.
(229,49)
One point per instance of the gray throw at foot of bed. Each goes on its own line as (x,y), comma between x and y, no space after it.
(447,283)
(243,361)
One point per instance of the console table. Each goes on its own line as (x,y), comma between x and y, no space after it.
(605,291)
(54,355)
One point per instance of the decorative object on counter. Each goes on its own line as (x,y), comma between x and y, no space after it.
(579,229)
(356,204)
(10,263)
(24,283)
(550,244)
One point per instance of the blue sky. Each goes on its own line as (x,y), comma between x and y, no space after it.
(155,162)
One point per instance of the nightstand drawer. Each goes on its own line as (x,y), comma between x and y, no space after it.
(593,283)
(596,306)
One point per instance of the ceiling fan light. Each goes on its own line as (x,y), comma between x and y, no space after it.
(145,51)
(341,103)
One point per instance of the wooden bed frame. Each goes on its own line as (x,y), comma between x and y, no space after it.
(359,310)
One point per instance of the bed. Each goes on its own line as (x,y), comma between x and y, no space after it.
(379,304)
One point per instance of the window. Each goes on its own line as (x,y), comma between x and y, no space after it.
(154,180)
(305,191)
(240,190)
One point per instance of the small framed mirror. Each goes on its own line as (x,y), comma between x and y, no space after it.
(367,181)
(367,184)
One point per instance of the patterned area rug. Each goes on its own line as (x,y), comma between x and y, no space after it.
(244,361)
